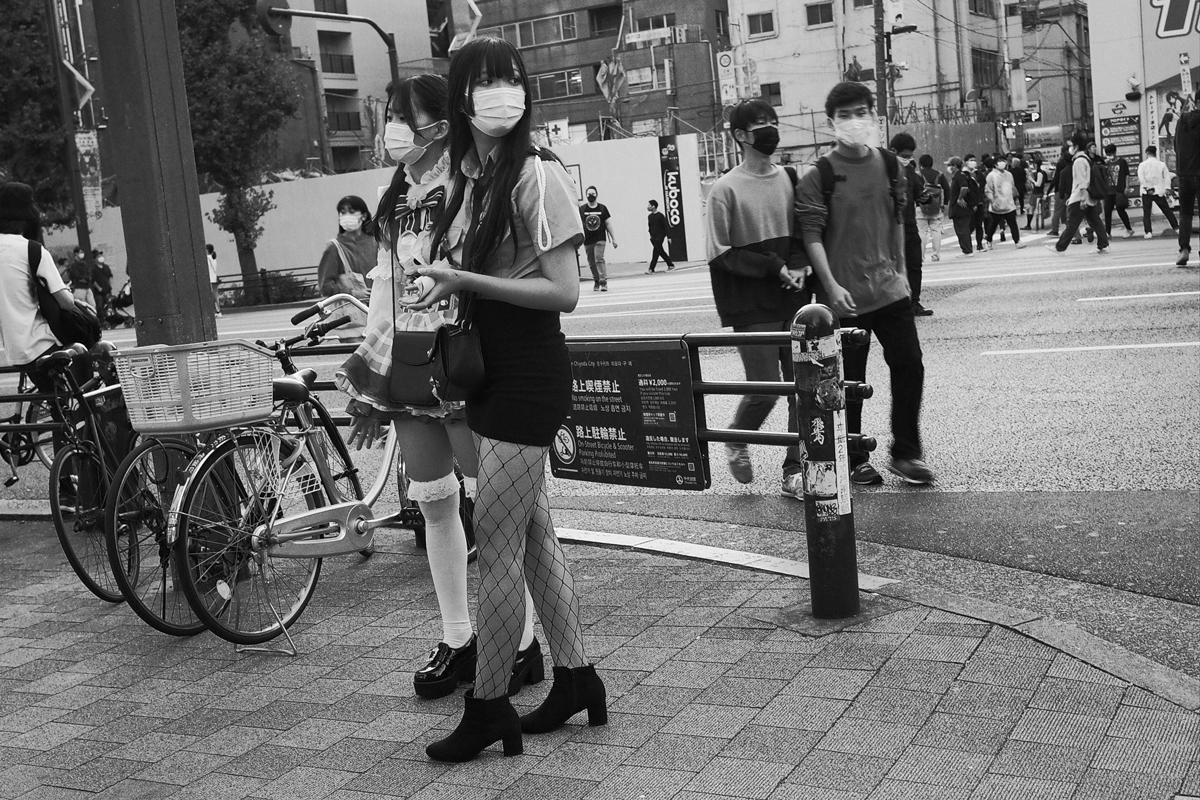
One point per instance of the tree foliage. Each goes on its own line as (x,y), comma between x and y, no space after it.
(33,146)
(239,95)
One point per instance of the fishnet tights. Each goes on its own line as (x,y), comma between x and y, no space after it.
(513,528)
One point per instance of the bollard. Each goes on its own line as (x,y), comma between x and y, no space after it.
(821,414)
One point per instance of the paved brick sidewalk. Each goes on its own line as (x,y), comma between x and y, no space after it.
(706,701)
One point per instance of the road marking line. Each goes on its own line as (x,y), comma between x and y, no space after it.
(610,301)
(969,277)
(647,312)
(1131,296)
(1095,347)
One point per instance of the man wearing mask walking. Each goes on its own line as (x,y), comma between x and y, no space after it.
(757,267)
(852,229)
(597,230)
(1080,204)
(657,223)
(1002,203)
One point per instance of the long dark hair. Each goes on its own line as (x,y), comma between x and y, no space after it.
(427,92)
(500,60)
(353,202)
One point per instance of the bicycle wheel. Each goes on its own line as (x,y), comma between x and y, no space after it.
(135,530)
(77,495)
(236,587)
(42,443)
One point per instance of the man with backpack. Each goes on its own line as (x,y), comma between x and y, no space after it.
(960,203)
(850,212)
(929,213)
(757,267)
(1089,187)
(903,145)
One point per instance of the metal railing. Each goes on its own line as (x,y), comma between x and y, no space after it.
(337,63)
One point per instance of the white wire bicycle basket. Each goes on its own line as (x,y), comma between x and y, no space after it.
(191,388)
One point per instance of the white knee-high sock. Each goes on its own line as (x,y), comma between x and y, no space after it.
(446,547)
(527,631)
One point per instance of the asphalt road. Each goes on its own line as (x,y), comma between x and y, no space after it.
(1061,415)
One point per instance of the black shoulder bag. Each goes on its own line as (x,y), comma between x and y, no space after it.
(69,325)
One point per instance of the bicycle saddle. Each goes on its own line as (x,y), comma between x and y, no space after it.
(309,376)
(52,362)
(289,390)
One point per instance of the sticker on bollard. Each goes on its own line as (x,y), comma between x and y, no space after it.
(632,419)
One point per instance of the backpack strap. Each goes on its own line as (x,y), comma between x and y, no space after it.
(792,175)
(34,256)
(825,173)
(893,172)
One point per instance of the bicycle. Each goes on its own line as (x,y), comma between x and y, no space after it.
(136,529)
(97,436)
(27,432)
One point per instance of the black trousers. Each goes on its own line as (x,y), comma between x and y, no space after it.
(658,251)
(977,224)
(1151,200)
(997,219)
(914,253)
(1110,202)
(962,229)
(1076,212)
(896,329)
(1189,188)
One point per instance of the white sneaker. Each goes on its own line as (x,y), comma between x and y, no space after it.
(1019,245)
(1103,250)
(793,486)
(1148,236)
(1053,248)
(1128,233)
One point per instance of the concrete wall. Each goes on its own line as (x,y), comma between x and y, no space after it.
(626,172)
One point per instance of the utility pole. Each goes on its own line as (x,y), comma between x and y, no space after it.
(156,170)
(66,107)
(882,57)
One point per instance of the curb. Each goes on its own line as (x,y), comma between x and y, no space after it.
(1172,685)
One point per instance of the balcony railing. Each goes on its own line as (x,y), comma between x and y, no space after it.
(350,121)
(337,63)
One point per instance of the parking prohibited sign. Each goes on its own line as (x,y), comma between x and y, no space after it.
(632,419)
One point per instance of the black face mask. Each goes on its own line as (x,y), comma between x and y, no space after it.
(591,198)
(766,139)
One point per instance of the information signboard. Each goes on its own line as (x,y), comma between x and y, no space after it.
(1124,129)
(632,419)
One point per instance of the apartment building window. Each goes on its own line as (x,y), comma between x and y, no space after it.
(772,93)
(761,24)
(605,21)
(722,23)
(864,3)
(345,121)
(337,57)
(645,79)
(330,6)
(654,23)
(984,8)
(985,67)
(547,30)
(567,83)
(819,14)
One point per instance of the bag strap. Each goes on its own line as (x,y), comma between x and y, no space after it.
(34,256)
(345,257)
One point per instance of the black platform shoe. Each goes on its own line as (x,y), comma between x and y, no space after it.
(447,666)
(483,723)
(528,669)
(574,690)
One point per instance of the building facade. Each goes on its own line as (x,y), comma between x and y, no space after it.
(607,69)
(967,61)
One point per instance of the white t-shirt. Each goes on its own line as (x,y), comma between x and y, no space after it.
(23,329)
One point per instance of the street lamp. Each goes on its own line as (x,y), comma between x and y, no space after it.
(275,18)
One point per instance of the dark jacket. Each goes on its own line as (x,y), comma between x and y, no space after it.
(658,226)
(1187,145)
(914,185)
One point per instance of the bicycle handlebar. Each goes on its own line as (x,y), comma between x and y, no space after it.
(312,310)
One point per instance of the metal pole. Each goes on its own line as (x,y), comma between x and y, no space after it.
(151,137)
(881,58)
(821,414)
(67,110)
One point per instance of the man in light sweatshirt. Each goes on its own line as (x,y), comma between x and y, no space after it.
(757,267)
(1000,189)
(1155,180)
(1079,203)
(856,244)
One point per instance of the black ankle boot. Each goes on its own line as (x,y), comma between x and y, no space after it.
(483,723)
(528,669)
(574,690)
(447,666)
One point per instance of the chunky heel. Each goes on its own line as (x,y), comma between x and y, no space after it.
(597,714)
(574,690)
(484,722)
(529,668)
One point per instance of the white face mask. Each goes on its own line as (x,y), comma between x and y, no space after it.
(904,162)
(400,142)
(855,132)
(350,222)
(498,109)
